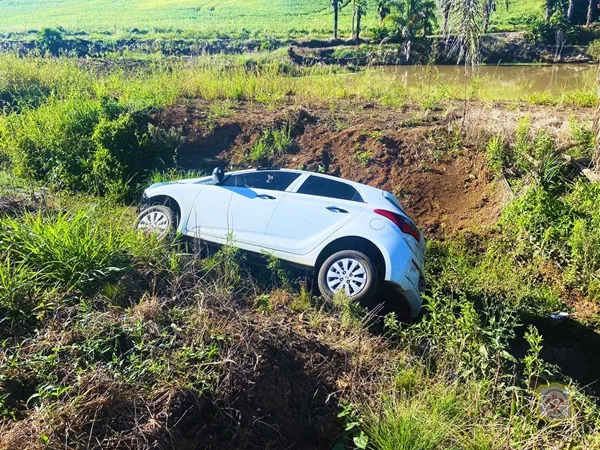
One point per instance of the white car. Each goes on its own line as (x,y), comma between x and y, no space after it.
(355,237)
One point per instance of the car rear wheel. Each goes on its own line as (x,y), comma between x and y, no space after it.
(158,220)
(351,272)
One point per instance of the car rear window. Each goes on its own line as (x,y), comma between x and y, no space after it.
(324,187)
(271,180)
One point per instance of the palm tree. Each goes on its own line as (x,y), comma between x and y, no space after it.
(467,19)
(361,10)
(548,7)
(411,17)
(590,12)
(489,7)
(336,15)
(445,6)
(570,10)
(383,10)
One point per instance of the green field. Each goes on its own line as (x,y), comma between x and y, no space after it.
(282,17)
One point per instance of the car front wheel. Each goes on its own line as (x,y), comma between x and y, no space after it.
(351,272)
(158,220)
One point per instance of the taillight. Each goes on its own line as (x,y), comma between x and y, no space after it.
(405,225)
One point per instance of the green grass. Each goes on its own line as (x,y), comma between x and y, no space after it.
(519,15)
(203,17)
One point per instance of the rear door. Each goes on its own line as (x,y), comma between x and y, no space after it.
(307,217)
(255,197)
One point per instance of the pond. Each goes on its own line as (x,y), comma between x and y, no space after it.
(500,81)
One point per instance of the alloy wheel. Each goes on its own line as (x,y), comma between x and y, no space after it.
(348,274)
(154,222)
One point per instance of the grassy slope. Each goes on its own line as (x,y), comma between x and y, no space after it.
(200,15)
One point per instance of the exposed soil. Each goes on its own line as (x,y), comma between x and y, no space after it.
(14,206)
(431,160)
(441,179)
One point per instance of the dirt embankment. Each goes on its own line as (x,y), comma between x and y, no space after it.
(438,171)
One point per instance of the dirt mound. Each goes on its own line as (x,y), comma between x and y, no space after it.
(441,178)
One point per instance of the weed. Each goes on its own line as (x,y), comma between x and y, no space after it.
(302,302)
(224,269)
(71,250)
(379,136)
(582,137)
(174,175)
(497,154)
(17,285)
(522,148)
(364,157)
(424,166)
(272,143)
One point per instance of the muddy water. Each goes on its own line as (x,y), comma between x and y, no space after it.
(509,80)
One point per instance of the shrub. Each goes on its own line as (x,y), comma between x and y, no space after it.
(582,137)
(50,41)
(86,145)
(594,49)
(379,33)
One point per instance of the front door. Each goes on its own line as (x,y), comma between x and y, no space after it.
(255,197)
(208,219)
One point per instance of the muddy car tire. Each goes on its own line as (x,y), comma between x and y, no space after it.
(351,271)
(158,220)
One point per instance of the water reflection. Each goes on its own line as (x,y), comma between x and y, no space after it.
(555,79)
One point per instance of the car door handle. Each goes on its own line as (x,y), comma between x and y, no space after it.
(335,209)
(266,197)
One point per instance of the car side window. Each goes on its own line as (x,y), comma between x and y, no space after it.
(273,181)
(324,187)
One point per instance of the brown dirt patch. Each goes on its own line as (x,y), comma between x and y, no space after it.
(14,206)
(441,179)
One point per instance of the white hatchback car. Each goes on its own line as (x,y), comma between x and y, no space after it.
(354,237)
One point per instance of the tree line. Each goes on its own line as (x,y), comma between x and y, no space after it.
(461,22)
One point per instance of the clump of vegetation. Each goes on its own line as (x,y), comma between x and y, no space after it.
(583,138)
(86,145)
(363,156)
(272,143)
(50,42)
(594,49)
(497,154)
(561,229)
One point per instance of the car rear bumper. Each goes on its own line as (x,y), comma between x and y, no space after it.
(404,269)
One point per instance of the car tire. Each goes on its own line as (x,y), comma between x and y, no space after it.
(159,220)
(352,271)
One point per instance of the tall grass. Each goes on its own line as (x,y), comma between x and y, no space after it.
(264,79)
(71,250)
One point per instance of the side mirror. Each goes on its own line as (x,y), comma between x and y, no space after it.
(218,175)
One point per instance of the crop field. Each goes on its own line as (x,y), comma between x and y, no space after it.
(205,17)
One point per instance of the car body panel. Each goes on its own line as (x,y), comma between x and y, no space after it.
(251,211)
